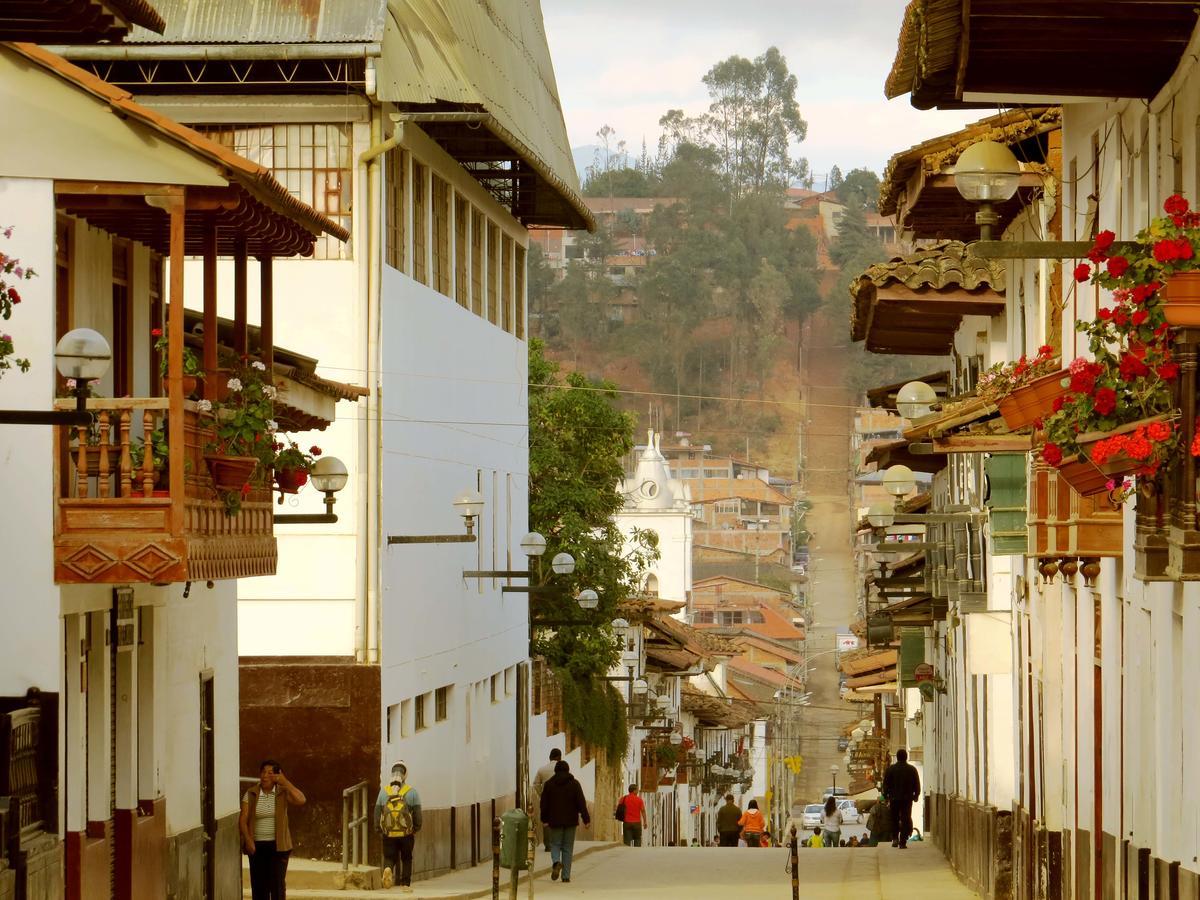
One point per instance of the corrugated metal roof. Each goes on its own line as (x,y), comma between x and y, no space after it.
(267,22)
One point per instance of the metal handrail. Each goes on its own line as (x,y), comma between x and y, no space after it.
(354,826)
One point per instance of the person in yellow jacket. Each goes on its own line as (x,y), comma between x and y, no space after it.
(753,825)
(815,840)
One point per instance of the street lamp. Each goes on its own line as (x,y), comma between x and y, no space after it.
(881,515)
(563,563)
(899,480)
(329,475)
(588,599)
(915,400)
(833,770)
(469,505)
(533,544)
(81,354)
(987,173)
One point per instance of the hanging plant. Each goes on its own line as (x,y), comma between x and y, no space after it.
(12,272)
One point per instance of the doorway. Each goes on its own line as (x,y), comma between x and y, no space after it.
(208,818)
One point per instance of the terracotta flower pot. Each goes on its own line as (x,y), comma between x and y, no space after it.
(291,480)
(190,385)
(1034,401)
(230,473)
(1118,465)
(1181,299)
(1083,476)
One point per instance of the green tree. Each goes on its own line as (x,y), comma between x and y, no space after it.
(855,246)
(540,279)
(859,188)
(577,441)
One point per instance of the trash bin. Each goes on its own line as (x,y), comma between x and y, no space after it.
(514,840)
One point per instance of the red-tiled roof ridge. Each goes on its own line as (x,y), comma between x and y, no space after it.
(255,179)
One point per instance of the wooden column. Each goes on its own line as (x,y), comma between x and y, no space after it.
(177,450)
(266,312)
(210,308)
(240,344)
(1184,550)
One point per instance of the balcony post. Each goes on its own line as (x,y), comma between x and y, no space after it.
(240,343)
(176,442)
(1184,550)
(266,328)
(210,307)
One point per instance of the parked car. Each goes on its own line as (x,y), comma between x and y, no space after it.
(812,816)
(850,813)
(843,743)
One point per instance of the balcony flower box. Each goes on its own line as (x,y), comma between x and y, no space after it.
(1032,403)
(1080,473)
(289,481)
(1182,295)
(230,473)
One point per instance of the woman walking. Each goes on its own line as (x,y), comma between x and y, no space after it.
(754,826)
(263,824)
(832,822)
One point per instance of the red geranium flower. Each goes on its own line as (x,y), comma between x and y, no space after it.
(1083,272)
(1168,371)
(1083,381)
(1132,367)
(1139,316)
(1117,266)
(1057,403)
(1104,313)
(1105,401)
(13,295)
(156,332)
(1175,205)
(314,450)
(1052,454)
(1104,240)
(1158,431)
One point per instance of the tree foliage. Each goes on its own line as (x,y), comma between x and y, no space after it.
(859,188)
(577,441)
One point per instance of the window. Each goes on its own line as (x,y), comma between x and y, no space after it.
(478,223)
(420,238)
(506,285)
(441,704)
(495,688)
(493,273)
(397,163)
(508,681)
(441,236)
(311,160)
(704,617)
(519,331)
(406,718)
(462,220)
(729,506)
(419,712)
(393,722)
(122,319)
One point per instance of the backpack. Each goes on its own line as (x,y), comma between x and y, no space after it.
(619,815)
(396,820)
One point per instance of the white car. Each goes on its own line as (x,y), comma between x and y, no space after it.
(850,813)
(812,817)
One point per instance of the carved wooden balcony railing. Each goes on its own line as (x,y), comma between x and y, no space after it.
(117,523)
(1173,511)
(1066,527)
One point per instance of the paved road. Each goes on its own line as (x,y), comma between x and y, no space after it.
(831,588)
(664,873)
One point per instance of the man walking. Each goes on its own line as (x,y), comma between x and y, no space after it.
(398,812)
(633,817)
(727,822)
(544,774)
(902,788)
(562,806)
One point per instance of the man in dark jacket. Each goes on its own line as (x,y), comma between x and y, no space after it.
(902,787)
(563,805)
(727,822)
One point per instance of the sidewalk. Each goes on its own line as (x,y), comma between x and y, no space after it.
(465,884)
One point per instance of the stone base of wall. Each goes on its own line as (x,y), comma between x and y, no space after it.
(185,862)
(978,842)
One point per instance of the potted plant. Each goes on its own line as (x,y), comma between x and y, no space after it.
(292,465)
(1164,259)
(193,372)
(242,426)
(1024,389)
(160,455)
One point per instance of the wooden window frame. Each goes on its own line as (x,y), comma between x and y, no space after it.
(420,223)
(440,277)
(462,251)
(397,213)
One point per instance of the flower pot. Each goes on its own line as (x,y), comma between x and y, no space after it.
(1084,477)
(190,385)
(291,480)
(230,473)
(1118,465)
(1034,401)
(1181,299)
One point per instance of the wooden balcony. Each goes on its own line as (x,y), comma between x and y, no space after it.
(119,524)
(1066,526)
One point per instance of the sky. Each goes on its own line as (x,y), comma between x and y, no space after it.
(626,62)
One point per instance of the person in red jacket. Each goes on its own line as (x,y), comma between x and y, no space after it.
(633,817)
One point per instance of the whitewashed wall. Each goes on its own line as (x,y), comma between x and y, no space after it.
(673,568)
(455,406)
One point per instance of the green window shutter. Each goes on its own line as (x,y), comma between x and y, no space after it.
(912,654)
(1006,474)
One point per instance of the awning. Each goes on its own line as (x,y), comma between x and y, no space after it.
(914,304)
(952,53)
(884,396)
(918,189)
(898,453)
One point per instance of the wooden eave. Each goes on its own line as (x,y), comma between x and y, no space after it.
(923,322)
(969,411)
(76,21)
(884,396)
(898,453)
(1044,48)
(932,207)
